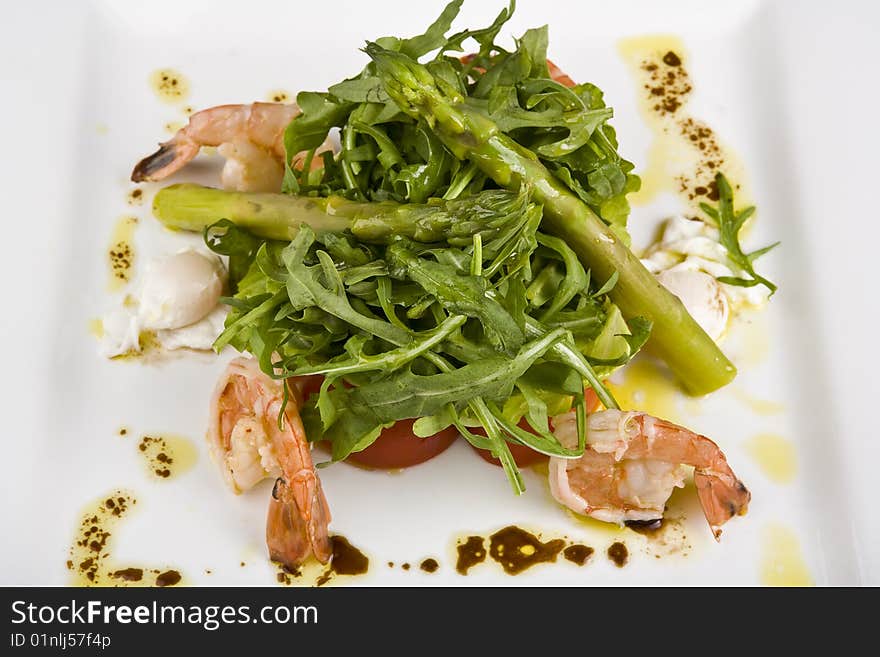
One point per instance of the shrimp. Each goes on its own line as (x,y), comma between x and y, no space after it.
(250,137)
(556,73)
(559,75)
(245,439)
(632,463)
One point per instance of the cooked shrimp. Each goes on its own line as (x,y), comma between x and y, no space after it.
(631,465)
(559,75)
(556,73)
(245,439)
(250,137)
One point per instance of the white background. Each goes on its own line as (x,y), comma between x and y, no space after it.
(792,84)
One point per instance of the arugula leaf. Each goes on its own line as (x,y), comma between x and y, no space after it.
(226,238)
(435,36)
(320,113)
(458,312)
(608,285)
(367,89)
(460,294)
(635,339)
(305,288)
(327,305)
(406,395)
(729,223)
(485,37)
(386,155)
(573,283)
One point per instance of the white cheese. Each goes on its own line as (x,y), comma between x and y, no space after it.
(690,245)
(198,335)
(178,299)
(121,333)
(180,289)
(701,294)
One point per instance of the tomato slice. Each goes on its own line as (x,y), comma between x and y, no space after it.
(398,447)
(305,386)
(525,456)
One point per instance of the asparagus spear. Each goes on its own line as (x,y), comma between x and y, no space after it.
(278,216)
(469,134)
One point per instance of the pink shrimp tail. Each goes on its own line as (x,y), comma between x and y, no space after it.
(293,532)
(286,535)
(722,496)
(260,124)
(172,156)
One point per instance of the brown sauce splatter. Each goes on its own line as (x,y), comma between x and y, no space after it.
(405,566)
(346,560)
(665,537)
(120,260)
(701,181)
(578,554)
(671,59)
(470,553)
(154,450)
(91,547)
(121,253)
(668,83)
(286,574)
(135,196)
(129,574)
(90,558)
(278,96)
(668,86)
(169,85)
(167,455)
(646,527)
(618,553)
(429,565)
(686,153)
(517,550)
(168,578)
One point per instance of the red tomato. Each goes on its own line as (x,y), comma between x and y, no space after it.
(305,386)
(398,447)
(524,456)
(592,402)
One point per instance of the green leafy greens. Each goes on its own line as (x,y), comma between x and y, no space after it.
(473,135)
(441,330)
(386,154)
(462,260)
(730,223)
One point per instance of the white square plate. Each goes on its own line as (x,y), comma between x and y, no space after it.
(78,112)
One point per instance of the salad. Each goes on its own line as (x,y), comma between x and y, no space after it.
(435,248)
